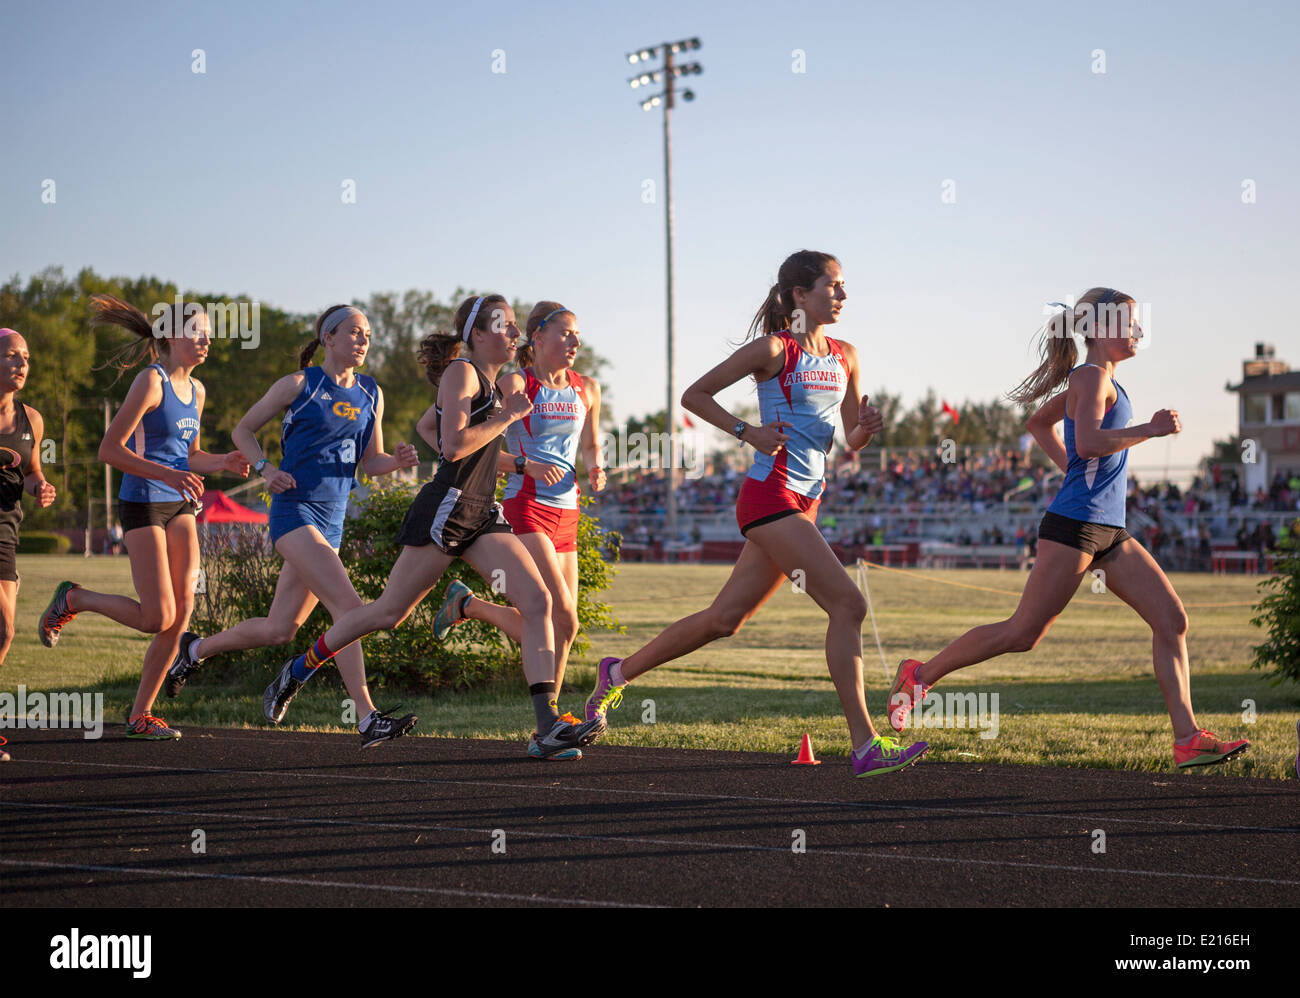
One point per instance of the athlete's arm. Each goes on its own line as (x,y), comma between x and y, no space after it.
(590,445)
(200,460)
(146,394)
(34,481)
(1042,425)
(861,419)
(375,462)
(1090,387)
(280,396)
(456,390)
(763,359)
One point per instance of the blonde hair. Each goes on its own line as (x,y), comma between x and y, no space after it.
(150,344)
(524,355)
(1056,341)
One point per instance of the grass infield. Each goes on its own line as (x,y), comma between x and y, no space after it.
(1085,697)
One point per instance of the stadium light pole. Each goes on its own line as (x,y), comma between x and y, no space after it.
(667,99)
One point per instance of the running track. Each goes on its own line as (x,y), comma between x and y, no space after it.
(310,820)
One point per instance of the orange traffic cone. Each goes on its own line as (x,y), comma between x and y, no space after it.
(805,754)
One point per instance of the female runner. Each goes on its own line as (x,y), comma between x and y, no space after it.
(541,499)
(805,379)
(154,441)
(1083,528)
(21,428)
(332,423)
(455,516)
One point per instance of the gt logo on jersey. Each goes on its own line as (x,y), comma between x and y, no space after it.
(346,411)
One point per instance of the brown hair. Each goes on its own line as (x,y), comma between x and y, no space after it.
(524,355)
(309,350)
(110,311)
(437,350)
(1056,341)
(800,270)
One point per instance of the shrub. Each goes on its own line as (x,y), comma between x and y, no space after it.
(1278,612)
(39,542)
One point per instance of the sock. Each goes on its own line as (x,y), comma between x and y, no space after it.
(193,651)
(464,604)
(861,750)
(543,695)
(616,675)
(305,666)
(368,720)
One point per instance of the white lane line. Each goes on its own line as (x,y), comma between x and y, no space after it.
(675,843)
(690,795)
(304,882)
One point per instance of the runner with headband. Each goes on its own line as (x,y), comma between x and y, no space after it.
(332,424)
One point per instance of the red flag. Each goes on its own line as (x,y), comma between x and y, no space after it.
(949,410)
(687,420)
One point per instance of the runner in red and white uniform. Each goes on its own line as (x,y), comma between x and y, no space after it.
(806,381)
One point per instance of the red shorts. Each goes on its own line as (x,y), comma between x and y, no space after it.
(527,516)
(763,502)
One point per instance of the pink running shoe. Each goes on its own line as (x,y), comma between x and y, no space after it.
(606,695)
(906,693)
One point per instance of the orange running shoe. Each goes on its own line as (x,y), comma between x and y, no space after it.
(906,693)
(151,728)
(1206,749)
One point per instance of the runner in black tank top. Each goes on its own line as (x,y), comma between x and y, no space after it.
(455,516)
(16,446)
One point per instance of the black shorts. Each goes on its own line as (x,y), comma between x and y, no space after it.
(151,514)
(8,561)
(1095,539)
(450,520)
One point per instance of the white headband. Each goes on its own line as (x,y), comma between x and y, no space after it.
(473,314)
(335,319)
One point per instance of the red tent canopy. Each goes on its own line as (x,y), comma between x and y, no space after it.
(220,508)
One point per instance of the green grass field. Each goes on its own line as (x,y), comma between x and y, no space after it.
(1084,697)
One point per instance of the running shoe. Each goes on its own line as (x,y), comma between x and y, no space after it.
(606,696)
(885,755)
(275,701)
(57,614)
(183,666)
(150,728)
(564,735)
(1206,749)
(535,751)
(906,693)
(383,728)
(452,611)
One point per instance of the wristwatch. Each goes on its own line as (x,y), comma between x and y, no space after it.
(519,465)
(261,464)
(739,429)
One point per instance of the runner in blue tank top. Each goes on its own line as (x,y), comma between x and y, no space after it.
(1083,529)
(331,424)
(541,495)
(807,383)
(154,441)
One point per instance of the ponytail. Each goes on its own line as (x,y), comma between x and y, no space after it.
(150,343)
(435,352)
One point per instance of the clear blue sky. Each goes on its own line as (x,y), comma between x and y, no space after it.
(530,181)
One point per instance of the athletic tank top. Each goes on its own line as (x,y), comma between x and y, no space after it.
(15,455)
(549,433)
(324,434)
(807,394)
(474,475)
(162,436)
(1095,489)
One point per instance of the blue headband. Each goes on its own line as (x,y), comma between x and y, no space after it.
(549,317)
